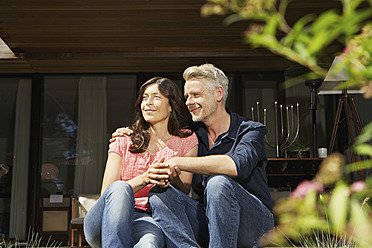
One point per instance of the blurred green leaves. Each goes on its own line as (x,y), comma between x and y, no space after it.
(307,41)
(342,211)
(338,206)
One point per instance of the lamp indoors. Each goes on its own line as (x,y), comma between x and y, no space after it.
(346,106)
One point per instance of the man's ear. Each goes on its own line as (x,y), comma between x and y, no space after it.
(218,93)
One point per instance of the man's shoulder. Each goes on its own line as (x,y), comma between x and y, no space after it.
(251,124)
(245,123)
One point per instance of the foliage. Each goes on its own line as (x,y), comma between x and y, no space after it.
(357,61)
(33,241)
(321,239)
(297,146)
(312,40)
(343,212)
(329,204)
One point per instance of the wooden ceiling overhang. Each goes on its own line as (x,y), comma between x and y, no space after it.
(124,36)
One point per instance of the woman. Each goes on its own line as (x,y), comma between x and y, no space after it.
(122,217)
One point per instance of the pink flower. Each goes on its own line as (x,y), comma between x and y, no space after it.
(305,187)
(358,186)
(346,50)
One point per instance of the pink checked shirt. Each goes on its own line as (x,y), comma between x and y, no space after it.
(135,164)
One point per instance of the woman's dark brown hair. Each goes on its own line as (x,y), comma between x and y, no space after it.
(178,119)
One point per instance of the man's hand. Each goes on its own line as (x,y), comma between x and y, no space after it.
(178,180)
(157,174)
(120,132)
(174,172)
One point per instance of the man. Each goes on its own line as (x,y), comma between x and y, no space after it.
(233,209)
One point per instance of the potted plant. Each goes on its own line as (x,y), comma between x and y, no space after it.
(299,150)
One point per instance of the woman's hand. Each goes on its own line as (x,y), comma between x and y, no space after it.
(158,174)
(120,132)
(173,175)
(162,174)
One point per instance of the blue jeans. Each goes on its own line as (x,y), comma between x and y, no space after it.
(232,217)
(114,222)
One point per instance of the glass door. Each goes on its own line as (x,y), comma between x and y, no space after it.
(15,109)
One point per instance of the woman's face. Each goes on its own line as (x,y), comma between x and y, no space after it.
(155,106)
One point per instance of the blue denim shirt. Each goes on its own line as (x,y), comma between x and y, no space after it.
(244,143)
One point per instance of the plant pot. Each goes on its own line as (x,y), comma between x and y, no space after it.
(299,154)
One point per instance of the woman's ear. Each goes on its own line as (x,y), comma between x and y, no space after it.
(218,93)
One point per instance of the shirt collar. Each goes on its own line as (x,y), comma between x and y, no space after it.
(234,125)
(231,133)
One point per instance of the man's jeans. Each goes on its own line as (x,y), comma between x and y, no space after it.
(233,216)
(114,222)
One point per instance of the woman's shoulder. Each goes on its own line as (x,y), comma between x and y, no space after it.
(190,138)
(183,144)
(121,141)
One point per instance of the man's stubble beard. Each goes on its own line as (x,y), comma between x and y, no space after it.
(203,117)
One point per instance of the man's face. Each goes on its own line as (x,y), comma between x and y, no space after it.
(199,100)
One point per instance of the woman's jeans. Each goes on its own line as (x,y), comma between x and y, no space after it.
(114,222)
(232,217)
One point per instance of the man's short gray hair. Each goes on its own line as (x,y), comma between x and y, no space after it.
(212,74)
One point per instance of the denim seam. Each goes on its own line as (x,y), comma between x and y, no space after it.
(234,206)
(104,220)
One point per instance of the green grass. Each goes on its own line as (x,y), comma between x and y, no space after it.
(34,240)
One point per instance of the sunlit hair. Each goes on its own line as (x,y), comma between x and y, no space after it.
(212,74)
(178,119)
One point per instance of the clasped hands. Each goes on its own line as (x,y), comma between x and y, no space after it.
(161,174)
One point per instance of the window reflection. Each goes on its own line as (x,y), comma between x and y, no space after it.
(60,152)
(8,93)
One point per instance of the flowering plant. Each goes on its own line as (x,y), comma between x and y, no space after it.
(356,59)
(326,204)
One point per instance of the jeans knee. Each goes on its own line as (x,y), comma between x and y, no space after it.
(218,186)
(119,186)
(219,183)
(118,191)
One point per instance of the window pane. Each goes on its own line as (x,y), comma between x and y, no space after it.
(121,96)
(59,134)
(60,126)
(8,94)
